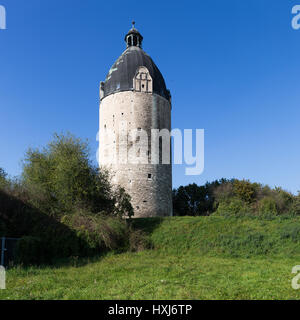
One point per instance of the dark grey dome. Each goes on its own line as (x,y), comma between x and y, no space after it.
(121,74)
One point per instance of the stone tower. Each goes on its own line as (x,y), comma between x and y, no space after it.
(134,98)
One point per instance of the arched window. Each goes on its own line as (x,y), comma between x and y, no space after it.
(142,81)
(134,40)
(129,40)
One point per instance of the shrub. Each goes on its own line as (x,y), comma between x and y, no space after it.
(123,205)
(63,205)
(98,233)
(79,235)
(233,207)
(223,192)
(245,190)
(295,206)
(60,178)
(284,200)
(235,197)
(139,241)
(267,206)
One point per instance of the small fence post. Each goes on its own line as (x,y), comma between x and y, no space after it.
(2,251)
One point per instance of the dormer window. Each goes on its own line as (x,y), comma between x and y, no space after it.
(142,81)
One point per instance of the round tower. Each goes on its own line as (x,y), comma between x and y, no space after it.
(134,101)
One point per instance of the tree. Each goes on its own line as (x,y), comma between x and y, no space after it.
(196,200)
(295,207)
(245,190)
(191,200)
(61,178)
(181,202)
(3,176)
(123,205)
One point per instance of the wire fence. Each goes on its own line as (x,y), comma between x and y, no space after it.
(7,250)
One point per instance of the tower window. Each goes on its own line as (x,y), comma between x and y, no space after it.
(129,41)
(149,176)
(134,40)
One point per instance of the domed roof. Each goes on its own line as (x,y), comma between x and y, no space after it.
(121,74)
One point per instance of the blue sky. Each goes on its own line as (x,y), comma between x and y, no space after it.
(232,67)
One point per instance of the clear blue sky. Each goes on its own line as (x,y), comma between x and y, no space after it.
(232,67)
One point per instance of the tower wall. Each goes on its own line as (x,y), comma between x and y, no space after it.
(150,196)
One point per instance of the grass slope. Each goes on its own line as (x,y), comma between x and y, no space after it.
(194,258)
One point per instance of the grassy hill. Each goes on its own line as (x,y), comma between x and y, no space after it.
(227,236)
(192,258)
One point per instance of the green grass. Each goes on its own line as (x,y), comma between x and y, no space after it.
(194,258)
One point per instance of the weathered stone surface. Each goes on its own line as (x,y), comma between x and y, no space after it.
(150,185)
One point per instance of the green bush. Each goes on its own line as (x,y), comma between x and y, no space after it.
(233,207)
(234,197)
(245,190)
(79,235)
(63,206)
(295,206)
(98,233)
(61,178)
(267,206)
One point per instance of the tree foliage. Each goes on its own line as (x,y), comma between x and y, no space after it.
(61,178)
(234,197)
(194,200)
(3,176)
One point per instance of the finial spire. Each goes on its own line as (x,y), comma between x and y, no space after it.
(133,37)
